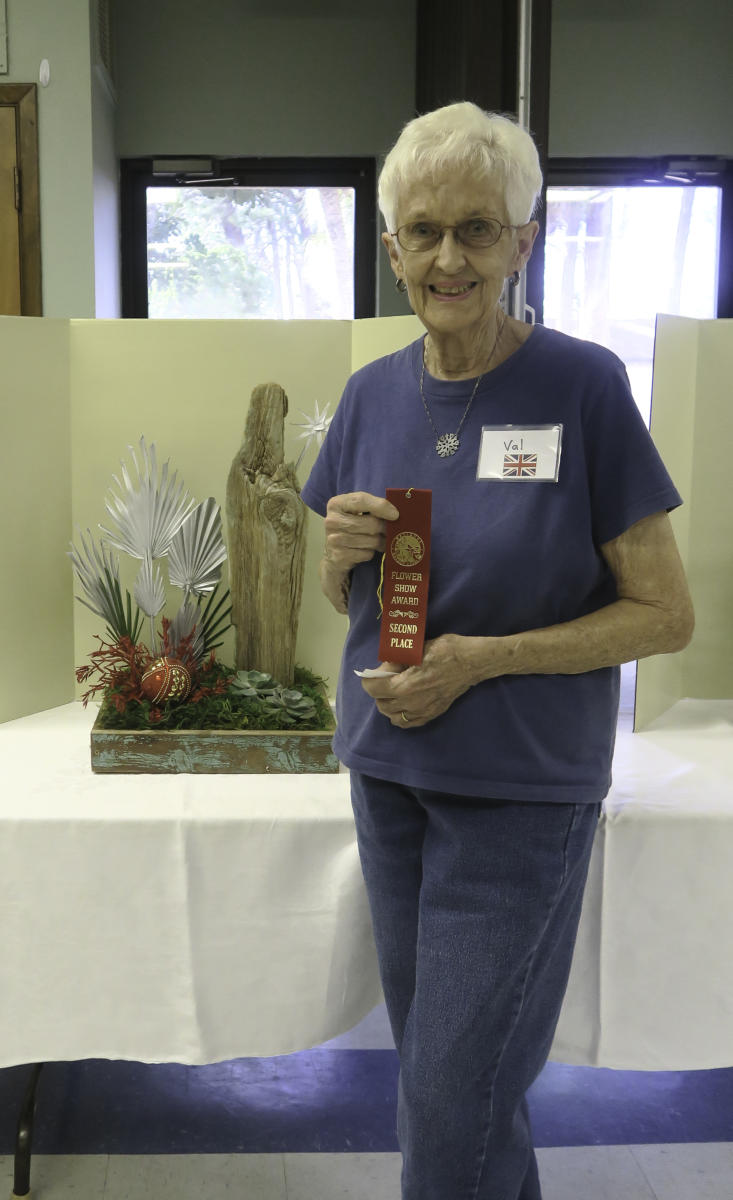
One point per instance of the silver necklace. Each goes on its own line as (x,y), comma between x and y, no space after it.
(447,443)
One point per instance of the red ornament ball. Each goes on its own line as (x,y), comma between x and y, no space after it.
(166,679)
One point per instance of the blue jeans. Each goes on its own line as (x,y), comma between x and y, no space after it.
(475,907)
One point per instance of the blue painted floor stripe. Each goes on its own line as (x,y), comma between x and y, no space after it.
(593,1106)
(337,1101)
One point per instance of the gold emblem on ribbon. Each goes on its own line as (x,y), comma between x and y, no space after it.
(407,548)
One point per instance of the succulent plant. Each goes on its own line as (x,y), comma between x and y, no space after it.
(288,704)
(255,685)
(292,706)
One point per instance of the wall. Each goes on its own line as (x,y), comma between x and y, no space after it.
(39,29)
(243,77)
(629,77)
(249,77)
(641,78)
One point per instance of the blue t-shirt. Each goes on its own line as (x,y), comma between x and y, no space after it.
(505,557)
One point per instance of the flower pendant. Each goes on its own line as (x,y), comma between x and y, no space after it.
(447,444)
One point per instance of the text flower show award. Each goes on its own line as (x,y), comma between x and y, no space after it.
(406,573)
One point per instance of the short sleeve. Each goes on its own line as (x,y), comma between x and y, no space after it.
(627,479)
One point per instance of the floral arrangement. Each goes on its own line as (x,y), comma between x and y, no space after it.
(170,677)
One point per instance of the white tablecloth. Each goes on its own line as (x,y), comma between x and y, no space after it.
(172,918)
(193,918)
(652,981)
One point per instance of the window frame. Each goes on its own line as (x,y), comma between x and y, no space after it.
(671,171)
(138,174)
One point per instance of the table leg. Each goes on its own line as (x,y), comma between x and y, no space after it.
(24,1138)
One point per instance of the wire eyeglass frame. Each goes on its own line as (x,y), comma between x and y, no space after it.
(440,230)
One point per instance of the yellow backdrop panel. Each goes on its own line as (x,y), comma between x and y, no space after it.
(709,670)
(692,425)
(36,638)
(185,385)
(660,680)
(372,338)
(78,393)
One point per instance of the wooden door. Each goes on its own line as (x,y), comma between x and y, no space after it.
(20,227)
(10,304)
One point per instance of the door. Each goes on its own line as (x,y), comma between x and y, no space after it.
(20,227)
(9,216)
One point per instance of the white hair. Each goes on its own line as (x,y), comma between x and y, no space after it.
(463,136)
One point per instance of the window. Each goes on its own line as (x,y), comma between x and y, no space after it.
(626,239)
(625,243)
(277,239)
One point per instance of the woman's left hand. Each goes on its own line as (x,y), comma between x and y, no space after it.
(423,692)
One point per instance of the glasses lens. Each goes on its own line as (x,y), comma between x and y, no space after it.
(420,235)
(479,232)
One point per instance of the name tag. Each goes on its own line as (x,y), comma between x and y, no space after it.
(520,454)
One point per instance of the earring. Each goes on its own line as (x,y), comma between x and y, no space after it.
(514,279)
(400,285)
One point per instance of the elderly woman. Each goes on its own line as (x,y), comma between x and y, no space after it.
(477,776)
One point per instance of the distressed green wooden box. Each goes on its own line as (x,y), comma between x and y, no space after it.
(211,751)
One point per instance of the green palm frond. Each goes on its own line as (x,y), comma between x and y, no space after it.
(197,551)
(148,512)
(212,622)
(98,573)
(207,619)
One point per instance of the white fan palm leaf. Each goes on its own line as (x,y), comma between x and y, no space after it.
(95,569)
(148,512)
(149,592)
(197,550)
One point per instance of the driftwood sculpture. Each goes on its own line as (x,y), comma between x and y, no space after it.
(266,527)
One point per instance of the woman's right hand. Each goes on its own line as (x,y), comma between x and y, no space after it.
(355,532)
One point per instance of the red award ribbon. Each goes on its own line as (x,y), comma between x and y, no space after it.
(406,576)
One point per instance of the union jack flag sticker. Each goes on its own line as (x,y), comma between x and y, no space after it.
(519,466)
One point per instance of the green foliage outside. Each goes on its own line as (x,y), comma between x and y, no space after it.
(250,252)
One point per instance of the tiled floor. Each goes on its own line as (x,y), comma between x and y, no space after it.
(320,1126)
(688,1172)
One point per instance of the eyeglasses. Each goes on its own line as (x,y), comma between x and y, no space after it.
(478,233)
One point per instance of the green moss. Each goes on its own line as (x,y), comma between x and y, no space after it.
(226,711)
